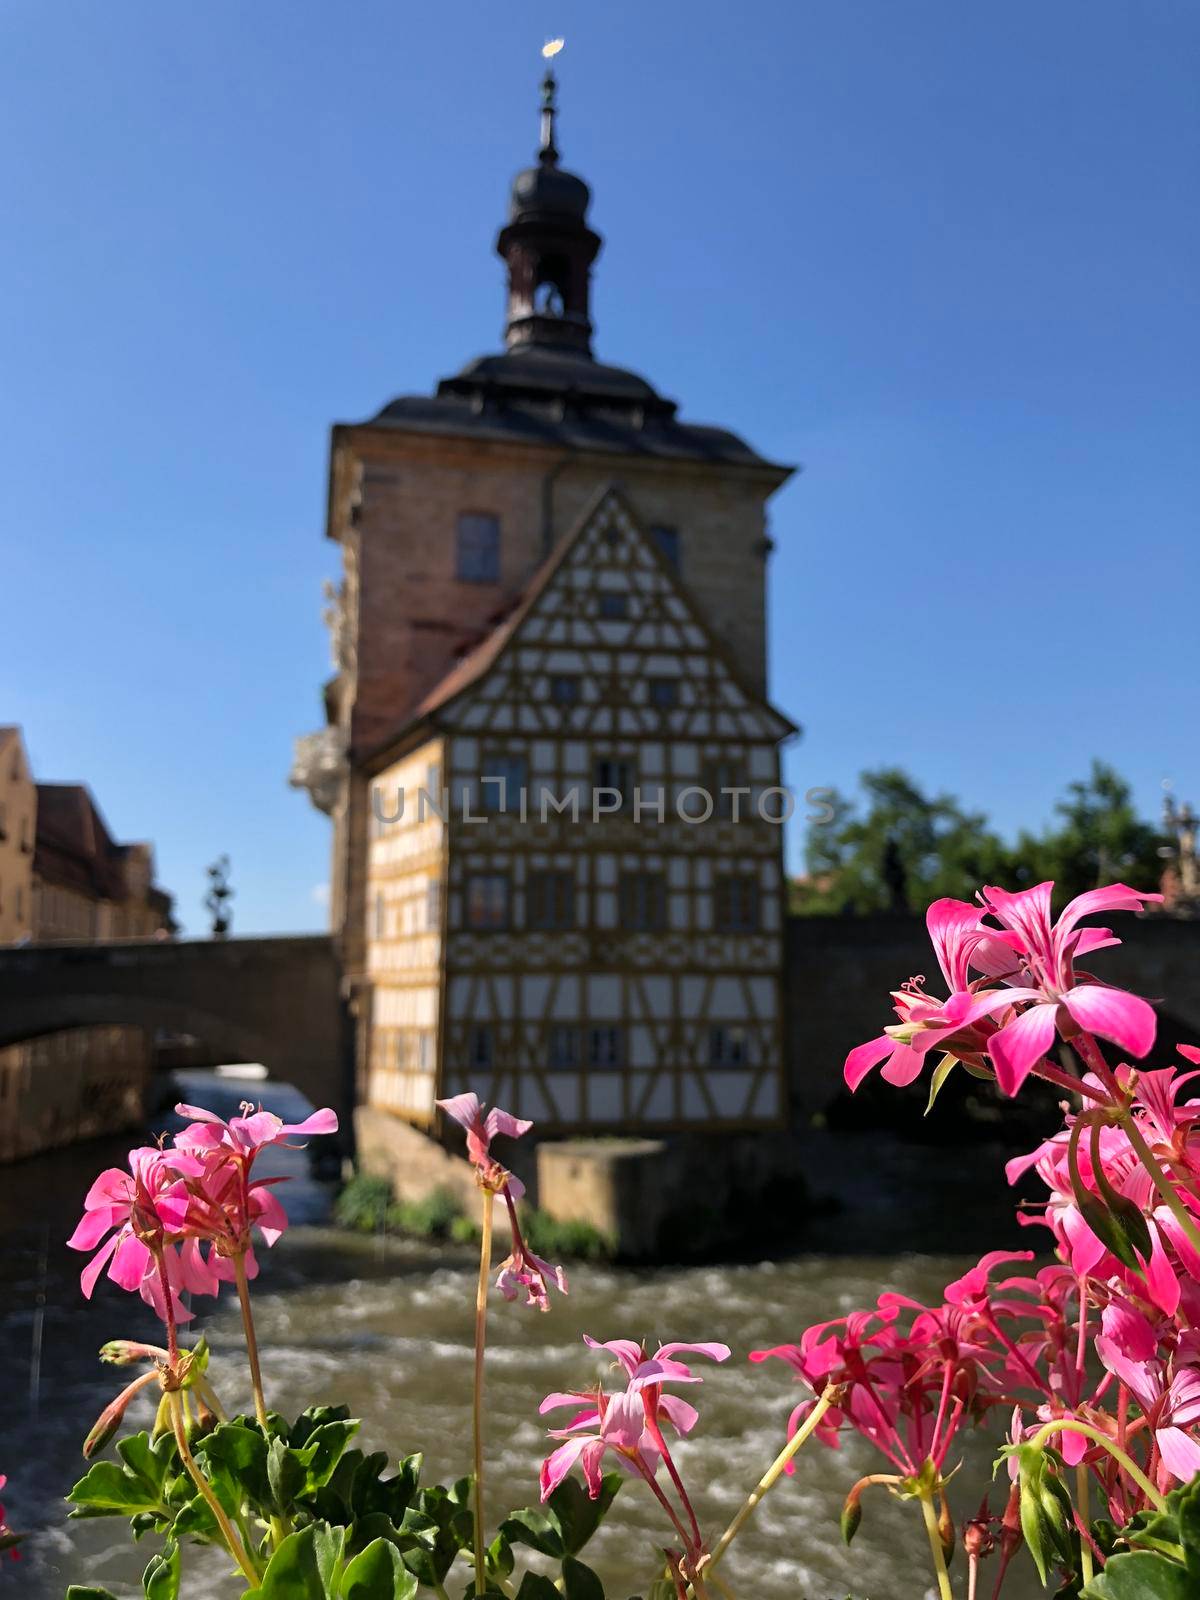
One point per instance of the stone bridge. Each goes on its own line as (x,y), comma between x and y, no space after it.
(276,1000)
(840,971)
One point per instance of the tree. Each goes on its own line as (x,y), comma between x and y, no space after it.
(907,848)
(1101,839)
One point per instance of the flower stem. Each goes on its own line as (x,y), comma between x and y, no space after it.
(1125,1462)
(1160,1180)
(1086,1568)
(481,1299)
(773,1472)
(236,1548)
(243,1290)
(929,1512)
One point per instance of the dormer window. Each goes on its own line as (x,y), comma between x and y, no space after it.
(614,605)
(477,554)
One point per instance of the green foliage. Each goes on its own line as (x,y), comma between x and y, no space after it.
(1163,1561)
(906,848)
(322,1520)
(575,1240)
(366,1205)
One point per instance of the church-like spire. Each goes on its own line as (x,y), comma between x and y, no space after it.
(548,150)
(548,247)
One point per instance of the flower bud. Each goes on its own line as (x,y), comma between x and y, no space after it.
(105,1426)
(127,1352)
(946,1532)
(851,1513)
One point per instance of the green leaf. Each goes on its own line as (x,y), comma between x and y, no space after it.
(499,1559)
(161,1577)
(1140,1575)
(940,1073)
(241,1452)
(535,1587)
(326,1444)
(109,1490)
(378,1573)
(576,1514)
(580,1582)
(285,1474)
(536,1530)
(306,1566)
(143,1460)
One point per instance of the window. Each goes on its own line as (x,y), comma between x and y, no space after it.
(564,1052)
(721,776)
(478,548)
(613,772)
(728,1046)
(379,915)
(735,908)
(666,541)
(643,902)
(487,901)
(433,904)
(606,1046)
(479,1045)
(614,605)
(664,693)
(564,690)
(424,1051)
(501,782)
(550,901)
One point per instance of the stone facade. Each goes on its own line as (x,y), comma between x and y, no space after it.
(18,813)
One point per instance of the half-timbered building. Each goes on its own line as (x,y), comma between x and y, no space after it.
(549,758)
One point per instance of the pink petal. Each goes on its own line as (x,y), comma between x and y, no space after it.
(682,1416)
(905,1066)
(1126,1019)
(714,1352)
(464,1108)
(93,1225)
(1020,1045)
(954,929)
(323,1121)
(1180,1453)
(627,1352)
(130,1262)
(87,1278)
(504,1122)
(199,1114)
(556,1465)
(112,1187)
(865,1056)
(591,1458)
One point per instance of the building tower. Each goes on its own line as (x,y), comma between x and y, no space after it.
(551,584)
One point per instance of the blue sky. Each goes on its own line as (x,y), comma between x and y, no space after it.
(944,255)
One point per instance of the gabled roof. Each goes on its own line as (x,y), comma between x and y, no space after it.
(475,665)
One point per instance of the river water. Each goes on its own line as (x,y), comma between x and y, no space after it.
(386,1326)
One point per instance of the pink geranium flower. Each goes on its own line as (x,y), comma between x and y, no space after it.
(1055,998)
(481,1128)
(609,1422)
(8,1539)
(959,1024)
(1169,1399)
(140,1211)
(243,1137)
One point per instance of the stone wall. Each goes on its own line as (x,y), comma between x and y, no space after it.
(839,972)
(76,1084)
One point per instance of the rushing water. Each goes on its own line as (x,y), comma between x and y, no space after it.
(386,1325)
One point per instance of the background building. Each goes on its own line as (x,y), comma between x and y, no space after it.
(18,811)
(63,879)
(547,574)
